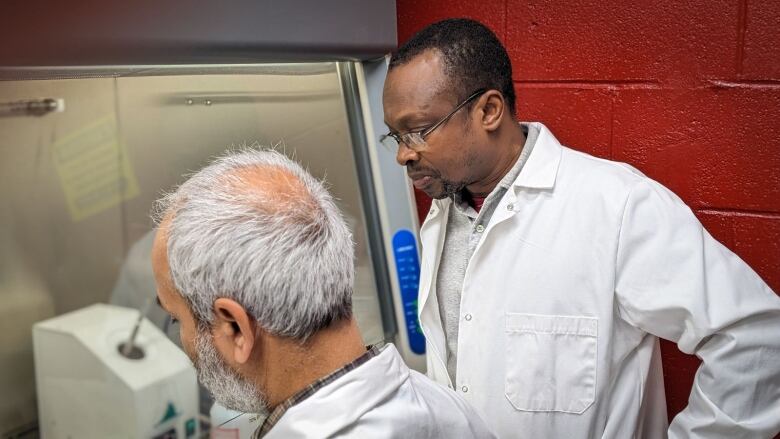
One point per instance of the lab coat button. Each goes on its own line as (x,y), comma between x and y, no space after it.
(480,228)
(510,206)
(465,389)
(468,317)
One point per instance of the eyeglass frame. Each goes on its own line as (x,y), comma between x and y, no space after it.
(420,135)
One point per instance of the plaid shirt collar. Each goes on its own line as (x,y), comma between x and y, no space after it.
(281,409)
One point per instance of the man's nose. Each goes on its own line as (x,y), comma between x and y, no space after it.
(405,155)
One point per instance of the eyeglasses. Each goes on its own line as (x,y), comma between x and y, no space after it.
(415,140)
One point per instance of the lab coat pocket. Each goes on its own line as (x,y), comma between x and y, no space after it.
(550,362)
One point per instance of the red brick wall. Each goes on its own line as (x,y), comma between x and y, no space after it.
(688,92)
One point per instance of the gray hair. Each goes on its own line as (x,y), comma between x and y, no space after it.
(255,227)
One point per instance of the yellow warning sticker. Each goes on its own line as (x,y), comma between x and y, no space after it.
(94,169)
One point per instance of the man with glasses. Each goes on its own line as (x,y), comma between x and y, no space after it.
(548,275)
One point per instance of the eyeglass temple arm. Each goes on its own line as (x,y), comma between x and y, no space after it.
(455,110)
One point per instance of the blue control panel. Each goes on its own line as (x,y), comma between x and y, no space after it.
(408,269)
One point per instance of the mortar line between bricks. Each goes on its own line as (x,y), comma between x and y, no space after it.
(612,98)
(741,28)
(591,84)
(769,83)
(741,212)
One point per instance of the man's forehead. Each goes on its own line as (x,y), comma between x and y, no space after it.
(160,243)
(413,90)
(422,76)
(160,254)
(166,292)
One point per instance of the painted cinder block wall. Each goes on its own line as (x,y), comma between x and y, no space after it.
(686,91)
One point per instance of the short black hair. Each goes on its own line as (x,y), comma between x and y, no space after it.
(472,55)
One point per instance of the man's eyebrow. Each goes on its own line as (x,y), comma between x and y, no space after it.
(408,119)
(392,130)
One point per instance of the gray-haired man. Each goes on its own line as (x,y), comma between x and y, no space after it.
(256,262)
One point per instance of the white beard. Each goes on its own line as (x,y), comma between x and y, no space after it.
(226,386)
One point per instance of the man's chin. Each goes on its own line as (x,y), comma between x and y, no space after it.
(435,192)
(439,193)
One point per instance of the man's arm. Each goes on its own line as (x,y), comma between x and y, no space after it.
(677,282)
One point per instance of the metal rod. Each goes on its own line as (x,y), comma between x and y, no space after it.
(128,346)
(32,107)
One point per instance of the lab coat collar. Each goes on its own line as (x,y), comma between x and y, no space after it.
(432,236)
(341,403)
(539,172)
(541,169)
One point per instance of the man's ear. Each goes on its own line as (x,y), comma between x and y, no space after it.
(234,330)
(492,108)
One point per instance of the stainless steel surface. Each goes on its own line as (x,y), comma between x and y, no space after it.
(349,86)
(46,32)
(15,73)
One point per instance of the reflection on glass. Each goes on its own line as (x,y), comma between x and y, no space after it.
(77,186)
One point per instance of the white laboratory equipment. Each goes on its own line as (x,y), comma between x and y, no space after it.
(87,388)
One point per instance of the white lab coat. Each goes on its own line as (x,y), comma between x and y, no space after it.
(381,398)
(583,263)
